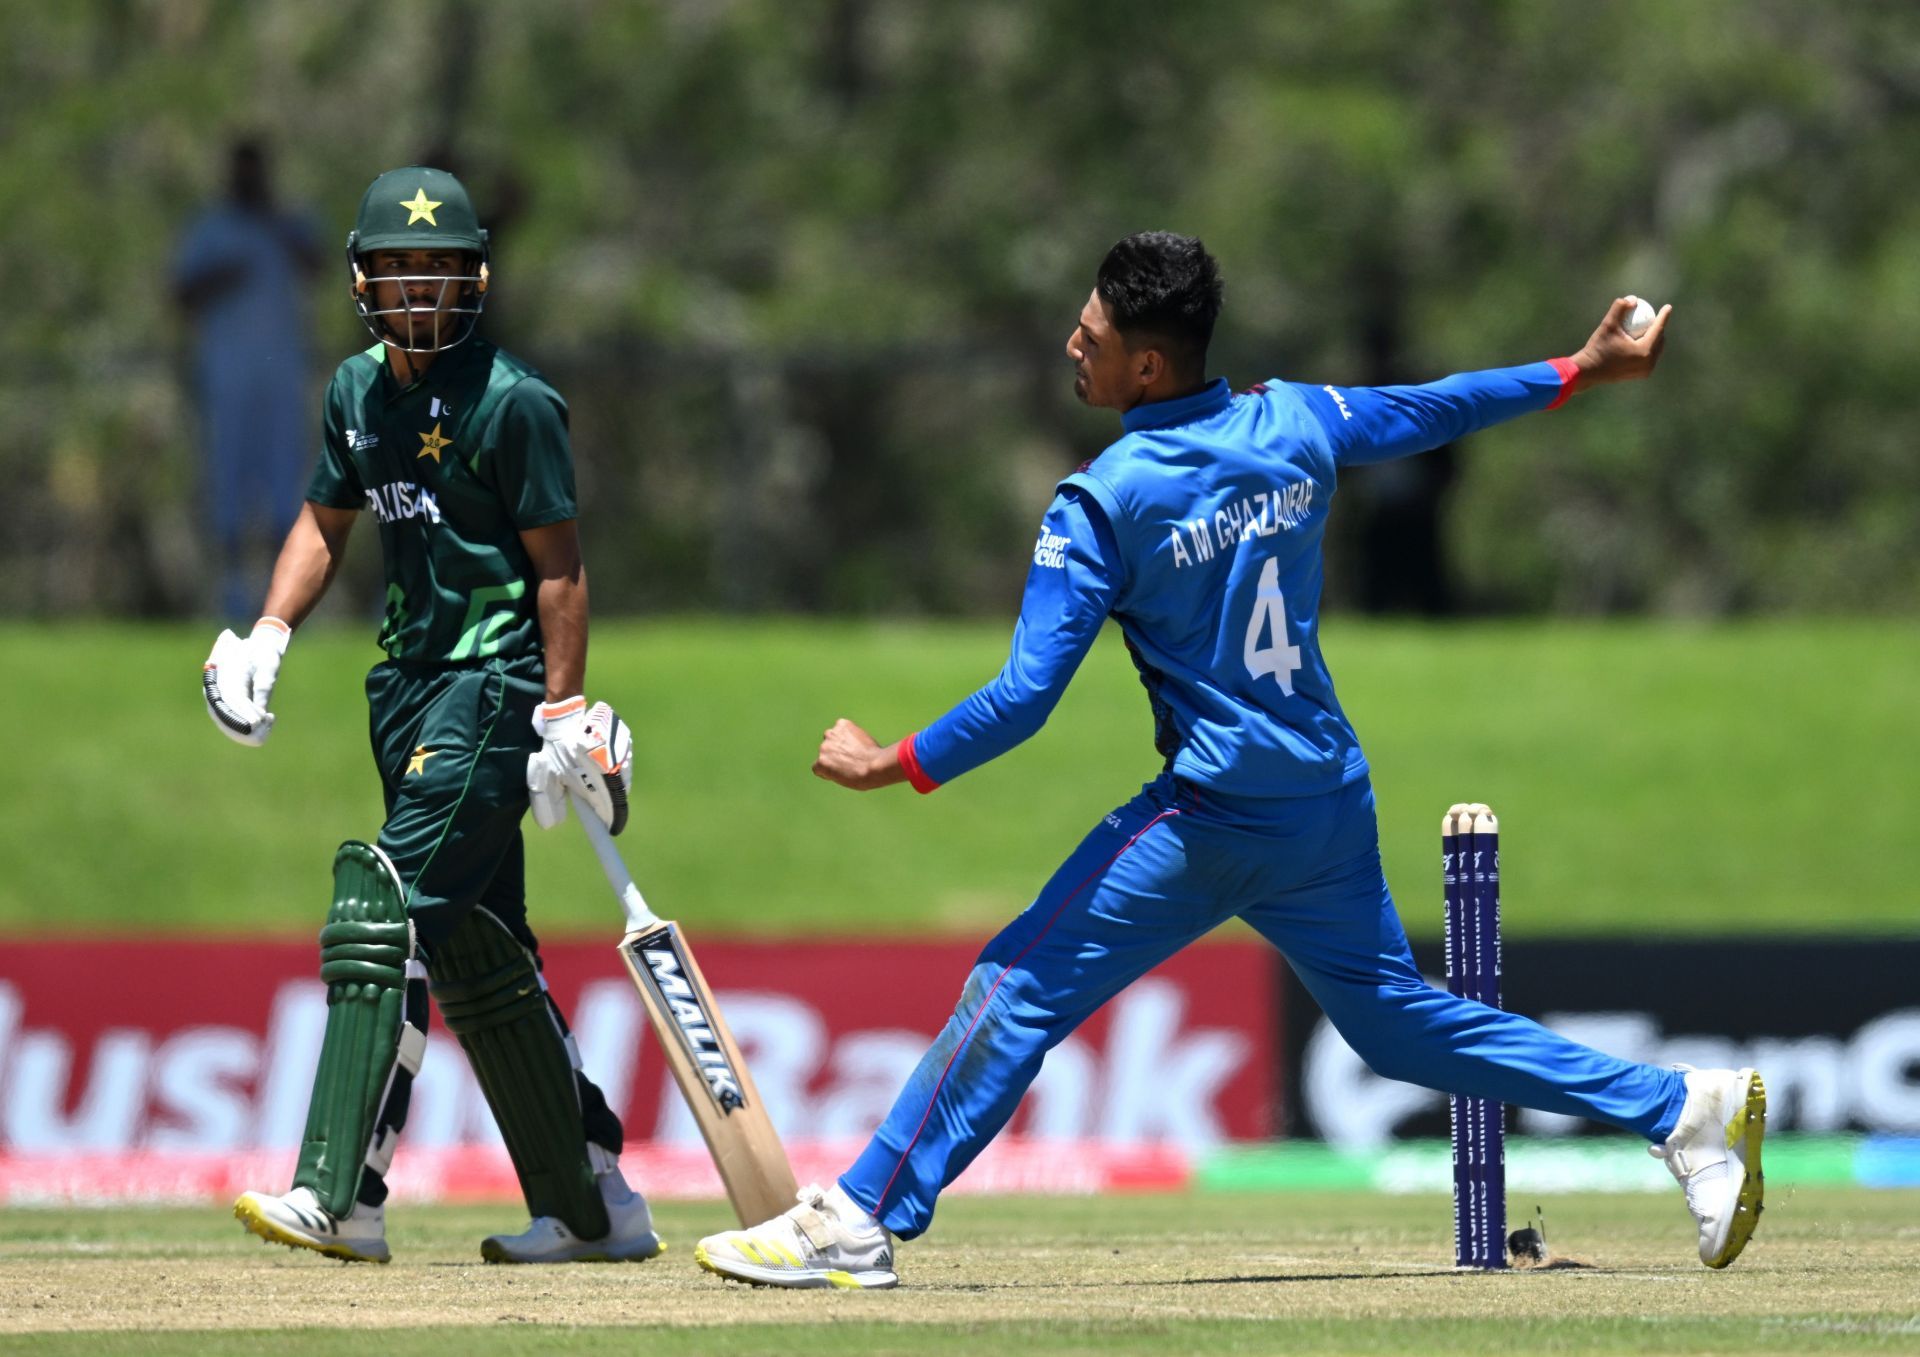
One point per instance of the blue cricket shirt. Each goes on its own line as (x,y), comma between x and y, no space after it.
(1199,531)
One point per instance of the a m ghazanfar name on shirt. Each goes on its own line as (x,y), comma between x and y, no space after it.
(1258,515)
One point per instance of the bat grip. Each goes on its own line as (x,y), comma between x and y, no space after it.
(639,917)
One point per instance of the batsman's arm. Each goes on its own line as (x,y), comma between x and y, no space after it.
(1070,590)
(308,561)
(238,678)
(560,602)
(1379,423)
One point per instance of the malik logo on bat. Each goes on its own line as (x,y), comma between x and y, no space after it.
(695,1027)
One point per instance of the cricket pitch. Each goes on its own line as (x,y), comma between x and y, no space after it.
(1830,1269)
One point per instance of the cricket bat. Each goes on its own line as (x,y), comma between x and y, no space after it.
(706,1063)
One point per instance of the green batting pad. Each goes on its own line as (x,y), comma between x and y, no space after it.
(363,960)
(489,993)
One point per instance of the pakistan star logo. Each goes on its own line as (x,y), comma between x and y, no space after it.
(421,208)
(434,442)
(418,763)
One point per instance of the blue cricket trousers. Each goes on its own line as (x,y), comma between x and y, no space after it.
(1165,868)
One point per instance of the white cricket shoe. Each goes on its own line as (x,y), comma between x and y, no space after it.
(300,1222)
(548,1240)
(1715,1154)
(824,1241)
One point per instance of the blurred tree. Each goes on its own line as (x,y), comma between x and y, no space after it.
(805,271)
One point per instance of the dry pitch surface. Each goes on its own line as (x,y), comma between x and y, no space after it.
(1829,1271)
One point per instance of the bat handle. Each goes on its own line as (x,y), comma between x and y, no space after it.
(639,917)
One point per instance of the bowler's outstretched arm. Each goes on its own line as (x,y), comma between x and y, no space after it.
(1379,423)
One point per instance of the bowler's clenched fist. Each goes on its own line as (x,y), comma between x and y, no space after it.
(853,758)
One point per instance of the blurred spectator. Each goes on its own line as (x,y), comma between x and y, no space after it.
(239,275)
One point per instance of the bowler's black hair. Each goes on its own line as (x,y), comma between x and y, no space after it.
(1166,288)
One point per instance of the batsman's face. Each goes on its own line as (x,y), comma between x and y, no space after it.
(1105,374)
(415,291)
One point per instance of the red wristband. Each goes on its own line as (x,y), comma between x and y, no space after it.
(916,775)
(1569,374)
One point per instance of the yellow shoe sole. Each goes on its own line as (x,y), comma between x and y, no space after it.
(1749,1124)
(250,1216)
(839,1281)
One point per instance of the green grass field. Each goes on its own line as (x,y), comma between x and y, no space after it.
(1649,777)
(1832,1270)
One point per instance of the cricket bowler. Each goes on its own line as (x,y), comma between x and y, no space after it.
(460,453)
(1199,531)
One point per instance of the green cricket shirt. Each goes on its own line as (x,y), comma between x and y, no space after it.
(453,467)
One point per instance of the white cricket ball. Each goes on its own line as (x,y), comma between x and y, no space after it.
(1640,317)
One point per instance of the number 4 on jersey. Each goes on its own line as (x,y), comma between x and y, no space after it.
(1270,619)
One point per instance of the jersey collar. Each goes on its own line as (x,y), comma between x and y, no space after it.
(1209,400)
(446,368)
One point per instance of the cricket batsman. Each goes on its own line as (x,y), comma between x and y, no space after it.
(460,453)
(1199,531)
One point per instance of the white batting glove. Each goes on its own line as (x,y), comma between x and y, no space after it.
(238,677)
(587,750)
(546,789)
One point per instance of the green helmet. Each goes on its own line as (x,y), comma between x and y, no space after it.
(419,208)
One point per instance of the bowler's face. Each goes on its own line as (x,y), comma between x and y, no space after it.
(1102,368)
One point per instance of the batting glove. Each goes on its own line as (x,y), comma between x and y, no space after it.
(238,677)
(584,750)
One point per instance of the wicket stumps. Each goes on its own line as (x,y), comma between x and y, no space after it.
(1470,866)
